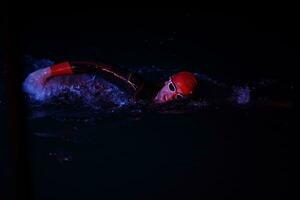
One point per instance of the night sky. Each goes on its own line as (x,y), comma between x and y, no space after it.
(226,45)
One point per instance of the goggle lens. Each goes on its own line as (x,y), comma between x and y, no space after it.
(172,88)
(179,96)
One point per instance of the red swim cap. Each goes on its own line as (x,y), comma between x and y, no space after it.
(186,81)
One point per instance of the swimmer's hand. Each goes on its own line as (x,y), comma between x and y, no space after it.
(35,83)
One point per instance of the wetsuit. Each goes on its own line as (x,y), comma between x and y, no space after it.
(131,82)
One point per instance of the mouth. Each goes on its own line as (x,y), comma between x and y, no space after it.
(162,99)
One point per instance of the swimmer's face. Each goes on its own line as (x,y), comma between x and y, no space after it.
(168,93)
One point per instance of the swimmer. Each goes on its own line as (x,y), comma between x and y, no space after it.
(180,85)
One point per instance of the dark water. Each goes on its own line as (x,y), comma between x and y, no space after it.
(183,150)
(210,147)
(162,156)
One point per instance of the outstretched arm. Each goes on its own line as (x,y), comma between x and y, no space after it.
(77,67)
(39,78)
(127,79)
(42,76)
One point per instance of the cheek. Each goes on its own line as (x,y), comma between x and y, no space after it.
(168,93)
(164,90)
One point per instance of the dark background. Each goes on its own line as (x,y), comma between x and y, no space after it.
(239,44)
(228,153)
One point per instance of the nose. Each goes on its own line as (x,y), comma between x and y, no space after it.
(169,96)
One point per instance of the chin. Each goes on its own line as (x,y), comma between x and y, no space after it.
(162,98)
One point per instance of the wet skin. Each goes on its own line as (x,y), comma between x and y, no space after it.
(165,94)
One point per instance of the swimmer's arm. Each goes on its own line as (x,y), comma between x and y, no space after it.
(42,76)
(69,68)
(80,67)
(76,67)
